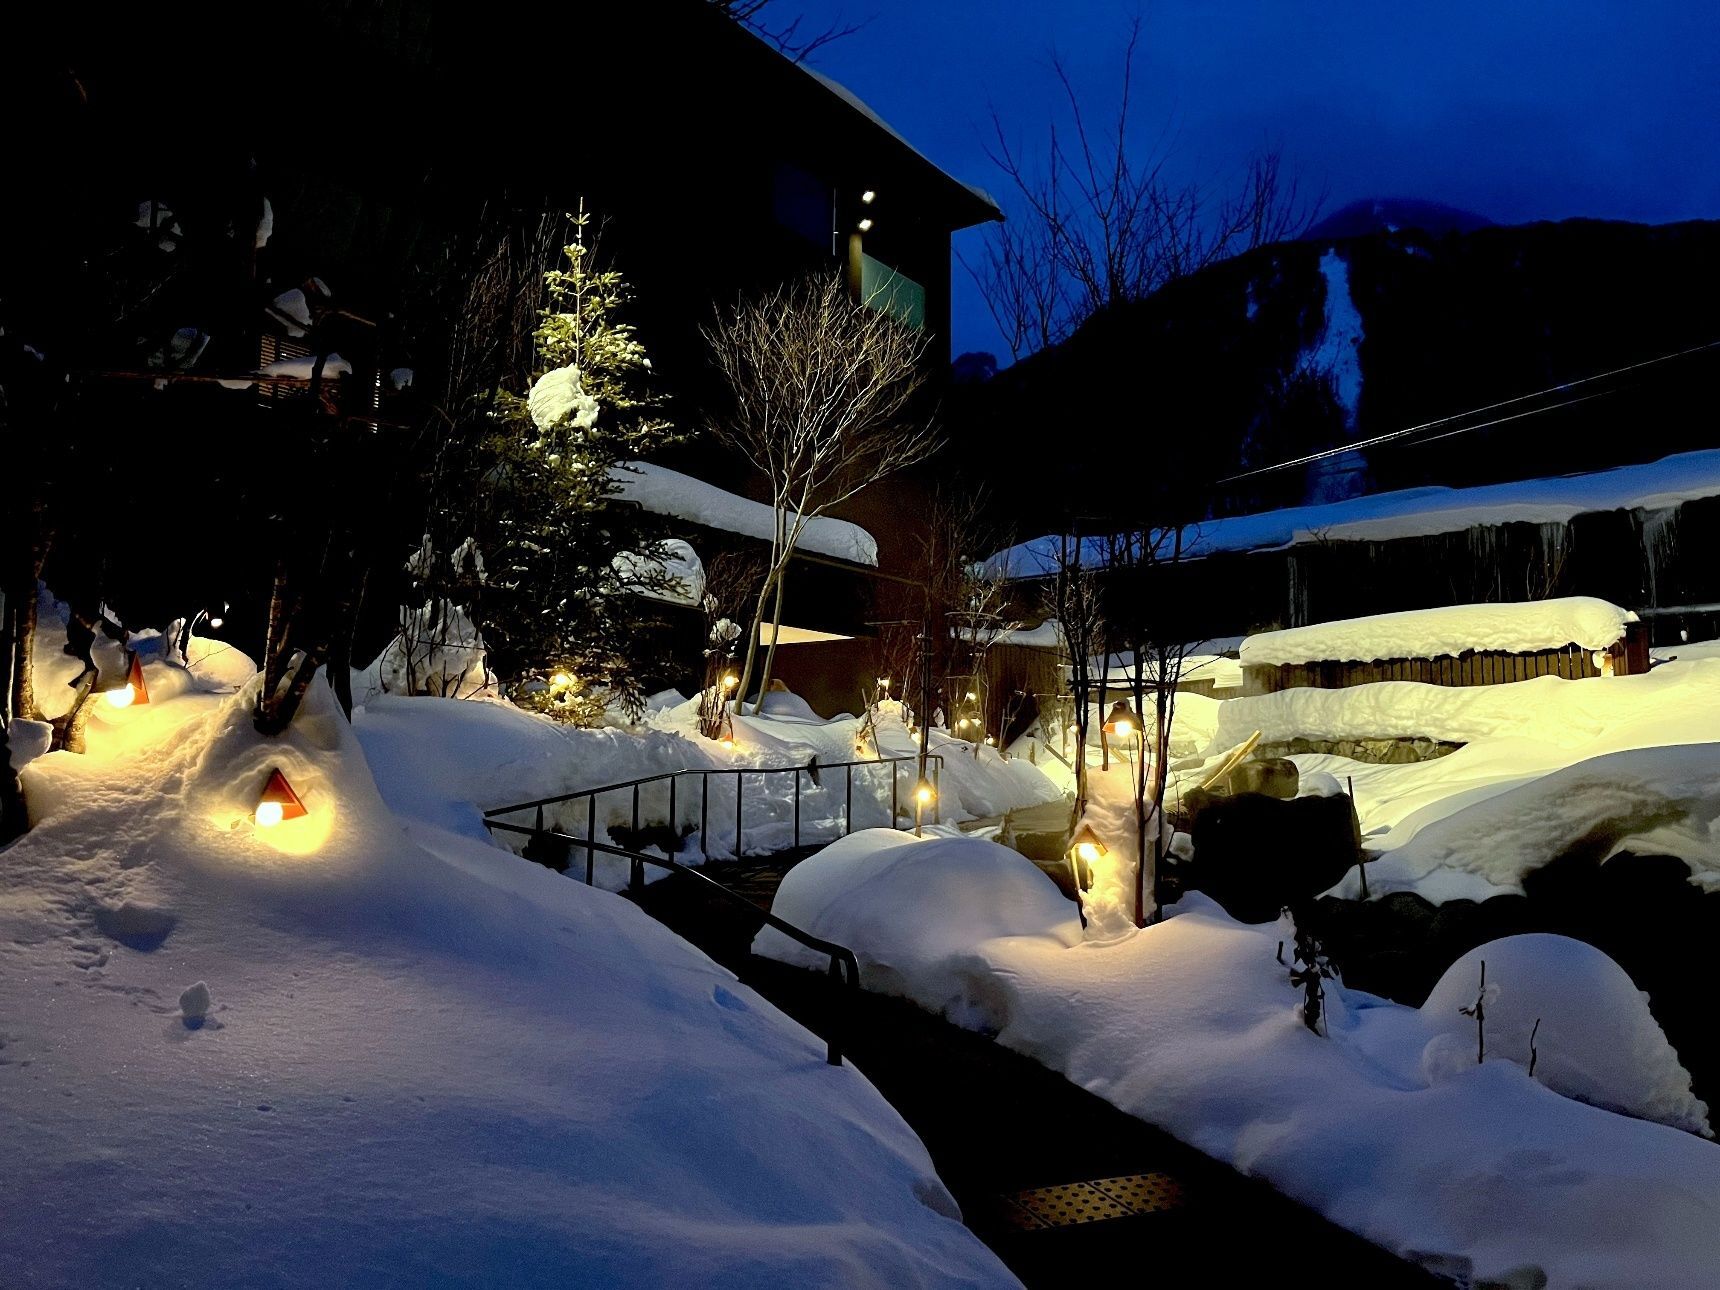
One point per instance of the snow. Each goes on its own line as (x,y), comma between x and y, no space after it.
(293,310)
(1479,1173)
(1608,764)
(360,1042)
(1596,1042)
(447,761)
(1338,351)
(1425,512)
(333,365)
(558,399)
(1432,633)
(680,563)
(668,492)
(909,905)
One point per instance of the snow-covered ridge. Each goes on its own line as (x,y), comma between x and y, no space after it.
(1426,512)
(668,492)
(1435,633)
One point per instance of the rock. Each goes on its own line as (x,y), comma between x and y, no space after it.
(1273,776)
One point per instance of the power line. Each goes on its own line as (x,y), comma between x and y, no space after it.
(1396,435)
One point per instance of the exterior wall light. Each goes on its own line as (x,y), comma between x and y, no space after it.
(866,225)
(278,802)
(867,196)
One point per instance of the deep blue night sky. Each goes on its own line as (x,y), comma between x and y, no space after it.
(1518,111)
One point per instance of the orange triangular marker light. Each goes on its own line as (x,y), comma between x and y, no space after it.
(278,801)
(134,678)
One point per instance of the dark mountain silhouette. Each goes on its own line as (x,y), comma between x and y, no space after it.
(1391,214)
(1249,364)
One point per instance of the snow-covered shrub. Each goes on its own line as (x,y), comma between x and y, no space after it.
(1597,1041)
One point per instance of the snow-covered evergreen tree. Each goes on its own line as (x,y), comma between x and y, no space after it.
(560,612)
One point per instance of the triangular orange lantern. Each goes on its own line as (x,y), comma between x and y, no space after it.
(278,801)
(134,678)
(132,689)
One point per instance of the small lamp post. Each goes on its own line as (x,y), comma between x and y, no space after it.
(924,796)
(1085,850)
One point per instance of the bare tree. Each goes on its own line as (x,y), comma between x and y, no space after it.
(1075,601)
(1100,224)
(824,394)
(790,36)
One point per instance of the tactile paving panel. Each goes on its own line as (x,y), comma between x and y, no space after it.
(1143,1193)
(1070,1204)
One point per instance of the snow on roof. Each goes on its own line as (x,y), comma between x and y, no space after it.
(668,492)
(1434,633)
(1424,512)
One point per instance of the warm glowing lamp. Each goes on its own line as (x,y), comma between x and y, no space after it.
(561,681)
(278,802)
(133,691)
(924,793)
(866,226)
(1122,720)
(1087,846)
(868,196)
(730,681)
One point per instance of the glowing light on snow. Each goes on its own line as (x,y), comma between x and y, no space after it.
(1121,721)
(924,793)
(269,814)
(278,802)
(122,697)
(1087,846)
(133,691)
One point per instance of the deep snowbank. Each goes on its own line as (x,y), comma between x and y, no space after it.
(422,1061)
(1191,1024)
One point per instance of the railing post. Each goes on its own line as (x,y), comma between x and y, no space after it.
(674,825)
(705,814)
(833,1041)
(938,792)
(636,878)
(797,808)
(848,802)
(590,839)
(895,787)
(635,814)
(740,783)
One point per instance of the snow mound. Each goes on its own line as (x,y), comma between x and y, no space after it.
(559,399)
(912,909)
(1660,801)
(405,1055)
(1434,633)
(1597,1040)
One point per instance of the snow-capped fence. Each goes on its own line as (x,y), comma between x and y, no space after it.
(1576,638)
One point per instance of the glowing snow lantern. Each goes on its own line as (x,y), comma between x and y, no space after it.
(133,690)
(278,802)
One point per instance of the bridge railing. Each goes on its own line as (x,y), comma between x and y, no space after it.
(813,773)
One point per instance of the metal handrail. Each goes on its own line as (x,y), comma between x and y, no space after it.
(934,762)
(844,966)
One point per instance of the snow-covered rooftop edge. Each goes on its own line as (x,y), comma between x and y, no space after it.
(668,492)
(1426,512)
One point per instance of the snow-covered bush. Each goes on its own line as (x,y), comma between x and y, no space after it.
(1596,1040)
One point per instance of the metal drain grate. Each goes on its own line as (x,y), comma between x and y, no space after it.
(1071,1204)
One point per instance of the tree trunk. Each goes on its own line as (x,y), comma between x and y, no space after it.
(69,727)
(775,631)
(14,817)
(23,648)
